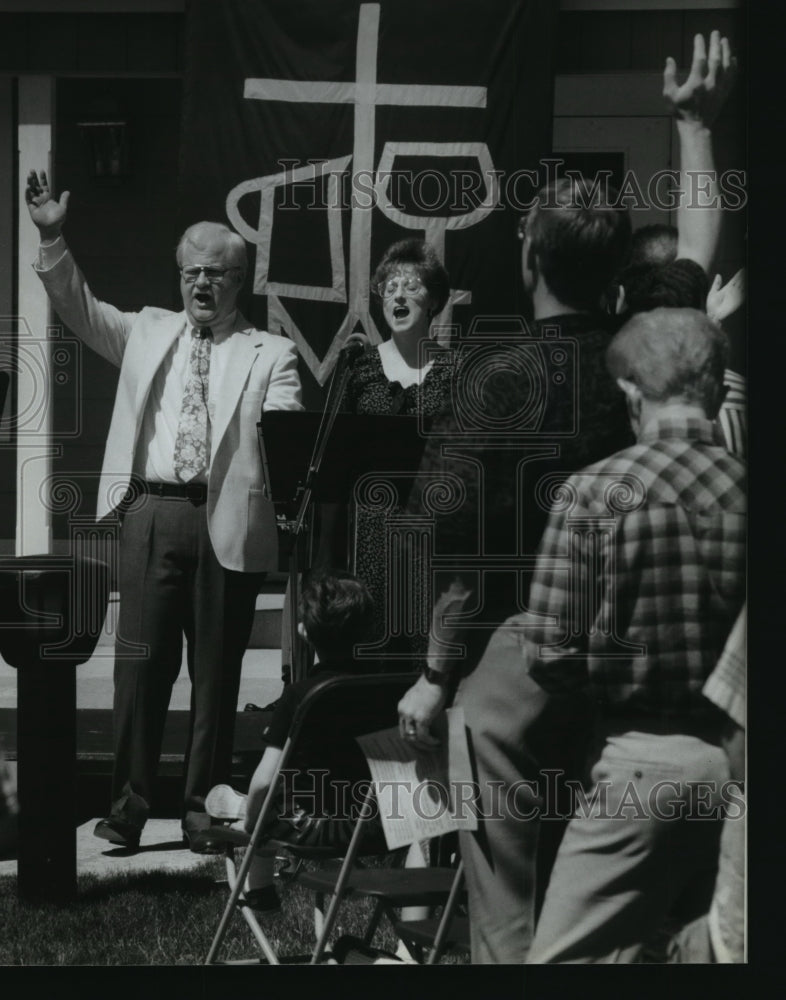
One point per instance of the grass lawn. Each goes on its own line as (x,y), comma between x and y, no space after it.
(159,918)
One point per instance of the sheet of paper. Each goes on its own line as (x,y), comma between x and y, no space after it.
(422,793)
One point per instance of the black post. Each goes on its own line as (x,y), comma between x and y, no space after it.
(46,781)
(51,613)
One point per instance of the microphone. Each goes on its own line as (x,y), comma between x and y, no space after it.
(354,347)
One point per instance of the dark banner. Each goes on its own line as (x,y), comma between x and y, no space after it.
(325,130)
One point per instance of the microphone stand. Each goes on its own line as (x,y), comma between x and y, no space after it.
(305,491)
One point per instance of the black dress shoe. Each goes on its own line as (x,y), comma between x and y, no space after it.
(118,831)
(265,899)
(271,707)
(201,842)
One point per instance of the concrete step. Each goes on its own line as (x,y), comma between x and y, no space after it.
(161,849)
(95,747)
(265,632)
(260,681)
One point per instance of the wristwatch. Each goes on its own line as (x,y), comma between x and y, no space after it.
(440,677)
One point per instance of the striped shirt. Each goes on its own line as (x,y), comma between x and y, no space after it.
(640,572)
(733,415)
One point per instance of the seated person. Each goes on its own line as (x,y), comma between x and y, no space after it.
(335,614)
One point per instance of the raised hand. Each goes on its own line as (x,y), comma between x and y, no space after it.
(701,96)
(722,301)
(47,213)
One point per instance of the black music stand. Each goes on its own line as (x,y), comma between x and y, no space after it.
(357,445)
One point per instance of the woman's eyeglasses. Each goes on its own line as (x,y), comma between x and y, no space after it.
(409,285)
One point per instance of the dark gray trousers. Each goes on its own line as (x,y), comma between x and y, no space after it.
(171,584)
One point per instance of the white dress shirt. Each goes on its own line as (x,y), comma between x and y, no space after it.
(155,448)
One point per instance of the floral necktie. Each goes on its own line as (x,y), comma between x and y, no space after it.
(192,444)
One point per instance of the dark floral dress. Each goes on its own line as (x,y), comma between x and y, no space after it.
(370,392)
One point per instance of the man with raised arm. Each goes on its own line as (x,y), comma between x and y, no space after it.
(182,469)
(671,266)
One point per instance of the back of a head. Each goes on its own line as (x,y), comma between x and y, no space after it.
(654,244)
(580,237)
(678,284)
(671,355)
(336,611)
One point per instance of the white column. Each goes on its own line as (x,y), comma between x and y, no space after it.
(34,384)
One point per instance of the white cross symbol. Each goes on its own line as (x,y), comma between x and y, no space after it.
(365,93)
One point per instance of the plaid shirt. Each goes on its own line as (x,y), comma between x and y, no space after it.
(642,568)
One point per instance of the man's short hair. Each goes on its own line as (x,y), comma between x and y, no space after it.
(428,267)
(671,354)
(336,610)
(234,241)
(580,237)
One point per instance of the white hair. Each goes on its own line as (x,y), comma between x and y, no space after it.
(196,235)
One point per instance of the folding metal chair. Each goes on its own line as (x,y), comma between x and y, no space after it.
(438,935)
(333,713)
(391,889)
(430,938)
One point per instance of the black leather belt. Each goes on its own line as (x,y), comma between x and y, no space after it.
(196,492)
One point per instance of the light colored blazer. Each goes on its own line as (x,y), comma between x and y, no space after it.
(261,373)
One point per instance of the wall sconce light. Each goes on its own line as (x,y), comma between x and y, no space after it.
(104,131)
